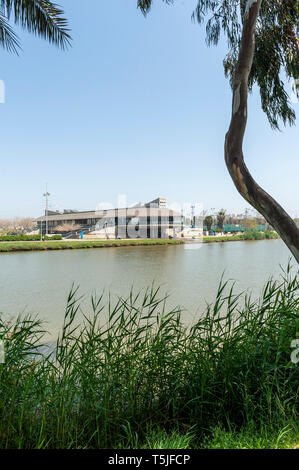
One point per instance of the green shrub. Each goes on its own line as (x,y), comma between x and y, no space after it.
(269,234)
(53,237)
(258,235)
(27,238)
(269,437)
(253,235)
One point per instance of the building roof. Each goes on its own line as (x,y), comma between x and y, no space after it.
(110,213)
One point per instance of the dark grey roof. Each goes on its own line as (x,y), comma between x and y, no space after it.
(127,212)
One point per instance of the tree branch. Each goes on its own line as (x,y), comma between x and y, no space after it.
(245,184)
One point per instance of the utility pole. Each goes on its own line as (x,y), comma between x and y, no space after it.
(213,215)
(46,195)
(182,219)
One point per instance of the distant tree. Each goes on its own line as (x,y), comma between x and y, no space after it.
(5,224)
(41,17)
(249,223)
(263,46)
(260,220)
(17,223)
(26,223)
(208,222)
(9,224)
(232,220)
(221,219)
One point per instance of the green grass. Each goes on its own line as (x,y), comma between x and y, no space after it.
(135,376)
(224,239)
(24,245)
(27,238)
(71,245)
(286,437)
(247,236)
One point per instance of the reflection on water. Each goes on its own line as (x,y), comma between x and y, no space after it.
(38,282)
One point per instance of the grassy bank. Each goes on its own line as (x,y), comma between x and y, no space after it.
(72,245)
(79,244)
(224,239)
(144,379)
(247,236)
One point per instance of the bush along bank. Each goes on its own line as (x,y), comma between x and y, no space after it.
(247,236)
(142,377)
(28,238)
(257,235)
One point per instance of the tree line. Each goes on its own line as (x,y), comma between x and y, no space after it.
(17,224)
(222,218)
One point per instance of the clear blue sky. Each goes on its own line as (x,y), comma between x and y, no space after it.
(138,107)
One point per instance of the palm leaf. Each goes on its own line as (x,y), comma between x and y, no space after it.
(40,17)
(8,39)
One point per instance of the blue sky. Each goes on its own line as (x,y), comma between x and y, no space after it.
(138,107)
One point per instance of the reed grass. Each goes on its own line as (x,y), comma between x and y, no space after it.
(133,375)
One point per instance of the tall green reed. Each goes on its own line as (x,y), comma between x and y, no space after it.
(133,367)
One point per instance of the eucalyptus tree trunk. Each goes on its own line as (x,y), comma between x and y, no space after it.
(245,184)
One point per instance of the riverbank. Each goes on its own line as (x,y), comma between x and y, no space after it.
(80,244)
(8,246)
(145,380)
(252,235)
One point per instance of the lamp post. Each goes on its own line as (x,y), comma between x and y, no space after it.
(193,216)
(213,223)
(182,219)
(46,195)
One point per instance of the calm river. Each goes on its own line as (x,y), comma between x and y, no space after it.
(38,282)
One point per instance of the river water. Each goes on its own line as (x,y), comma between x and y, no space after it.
(39,282)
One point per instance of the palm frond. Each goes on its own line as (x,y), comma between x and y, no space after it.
(40,17)
(8,39)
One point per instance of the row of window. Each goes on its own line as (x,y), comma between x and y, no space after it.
(121,221)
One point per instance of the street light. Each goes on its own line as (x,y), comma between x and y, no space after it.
(213,215)
(46,195)
(193,216)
